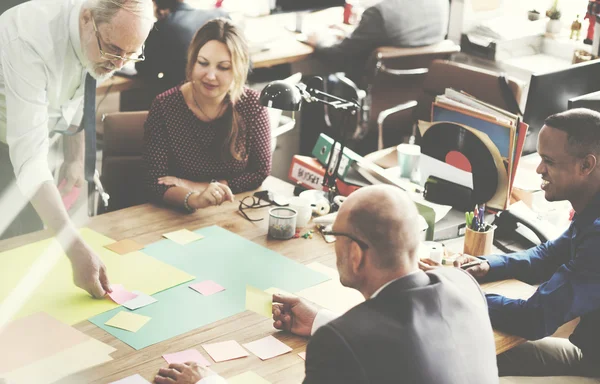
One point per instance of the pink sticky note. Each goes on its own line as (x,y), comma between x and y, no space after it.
(185,356)
(135,379)
(267,348)
(226,350)
(302,355)
(207,287)
(120,295)
(70,198)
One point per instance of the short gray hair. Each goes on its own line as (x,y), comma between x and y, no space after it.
(104,10)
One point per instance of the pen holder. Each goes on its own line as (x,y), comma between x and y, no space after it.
(479,243)
(282,223)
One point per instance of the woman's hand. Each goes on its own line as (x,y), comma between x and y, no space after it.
(215,194)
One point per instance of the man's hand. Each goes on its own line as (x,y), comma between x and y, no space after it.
(293,314)
(188,373)
(72,173)
(478,271)
(428,264)
(89,272)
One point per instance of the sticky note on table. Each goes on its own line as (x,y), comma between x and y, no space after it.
(128,321)
(302,355)
(259,301)
(71,197)
(226,350)
(120,295)
(135,379)
(185,356)
(183,236)
(247,378)
(207,287)
(267,347)
(124,246)
(140,301)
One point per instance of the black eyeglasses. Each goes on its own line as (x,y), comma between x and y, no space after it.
(358,241)
(252,202)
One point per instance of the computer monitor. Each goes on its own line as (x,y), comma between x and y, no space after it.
(549,93)
(305,5)
(589,101)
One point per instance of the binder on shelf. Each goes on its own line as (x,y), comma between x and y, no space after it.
(322,151)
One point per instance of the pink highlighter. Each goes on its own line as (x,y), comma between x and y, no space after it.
(70,198)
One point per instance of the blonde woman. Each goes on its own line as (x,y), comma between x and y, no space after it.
(209,137)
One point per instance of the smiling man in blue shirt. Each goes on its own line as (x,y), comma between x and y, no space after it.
(567,269)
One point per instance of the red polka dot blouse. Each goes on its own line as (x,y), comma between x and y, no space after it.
(177,143)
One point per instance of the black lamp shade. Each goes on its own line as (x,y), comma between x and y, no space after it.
(280,94)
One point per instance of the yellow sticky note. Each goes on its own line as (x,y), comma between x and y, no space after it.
(128,321)
(247,378)
(183,236)
(44,265)
(273,290)
(259,301)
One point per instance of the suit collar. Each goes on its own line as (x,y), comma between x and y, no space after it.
(413,280)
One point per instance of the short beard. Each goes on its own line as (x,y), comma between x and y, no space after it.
(99,77)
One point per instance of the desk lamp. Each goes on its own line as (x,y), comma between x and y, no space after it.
(283,95)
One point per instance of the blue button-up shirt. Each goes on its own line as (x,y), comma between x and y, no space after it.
(568,271)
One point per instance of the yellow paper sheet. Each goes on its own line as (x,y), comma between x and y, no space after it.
(331,294)
(259,301)
(38,278)
(128,321)
(183,236)
(247,378)
(82,356)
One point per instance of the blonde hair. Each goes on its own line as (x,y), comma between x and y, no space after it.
(104,10)
(226,32)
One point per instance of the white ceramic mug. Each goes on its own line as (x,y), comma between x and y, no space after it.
(304,209)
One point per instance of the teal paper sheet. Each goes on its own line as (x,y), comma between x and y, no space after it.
(227,259)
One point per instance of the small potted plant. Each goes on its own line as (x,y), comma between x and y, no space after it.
(533,15)
(554,25)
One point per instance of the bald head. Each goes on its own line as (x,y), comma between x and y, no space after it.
(386,218)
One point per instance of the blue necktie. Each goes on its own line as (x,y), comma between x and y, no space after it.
(89,124)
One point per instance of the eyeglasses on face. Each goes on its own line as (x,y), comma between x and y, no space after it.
(134,57)
(358,241)
(252,202)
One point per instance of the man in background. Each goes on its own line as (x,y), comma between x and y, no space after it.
(397,23)
(168,42)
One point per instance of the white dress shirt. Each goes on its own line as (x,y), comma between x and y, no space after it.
(323,317)
(41,83)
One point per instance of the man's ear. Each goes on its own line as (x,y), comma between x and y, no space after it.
(357,258)
(86,15)
(588,164)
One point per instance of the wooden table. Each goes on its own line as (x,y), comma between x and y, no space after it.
(146,224)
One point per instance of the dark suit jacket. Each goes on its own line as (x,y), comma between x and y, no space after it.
(430,328)
(168,42)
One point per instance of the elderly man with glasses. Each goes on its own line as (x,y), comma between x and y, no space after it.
(51,54)
(414,327)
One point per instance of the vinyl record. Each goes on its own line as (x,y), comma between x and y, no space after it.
(443,138)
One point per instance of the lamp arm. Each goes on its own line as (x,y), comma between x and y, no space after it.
(308,94)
